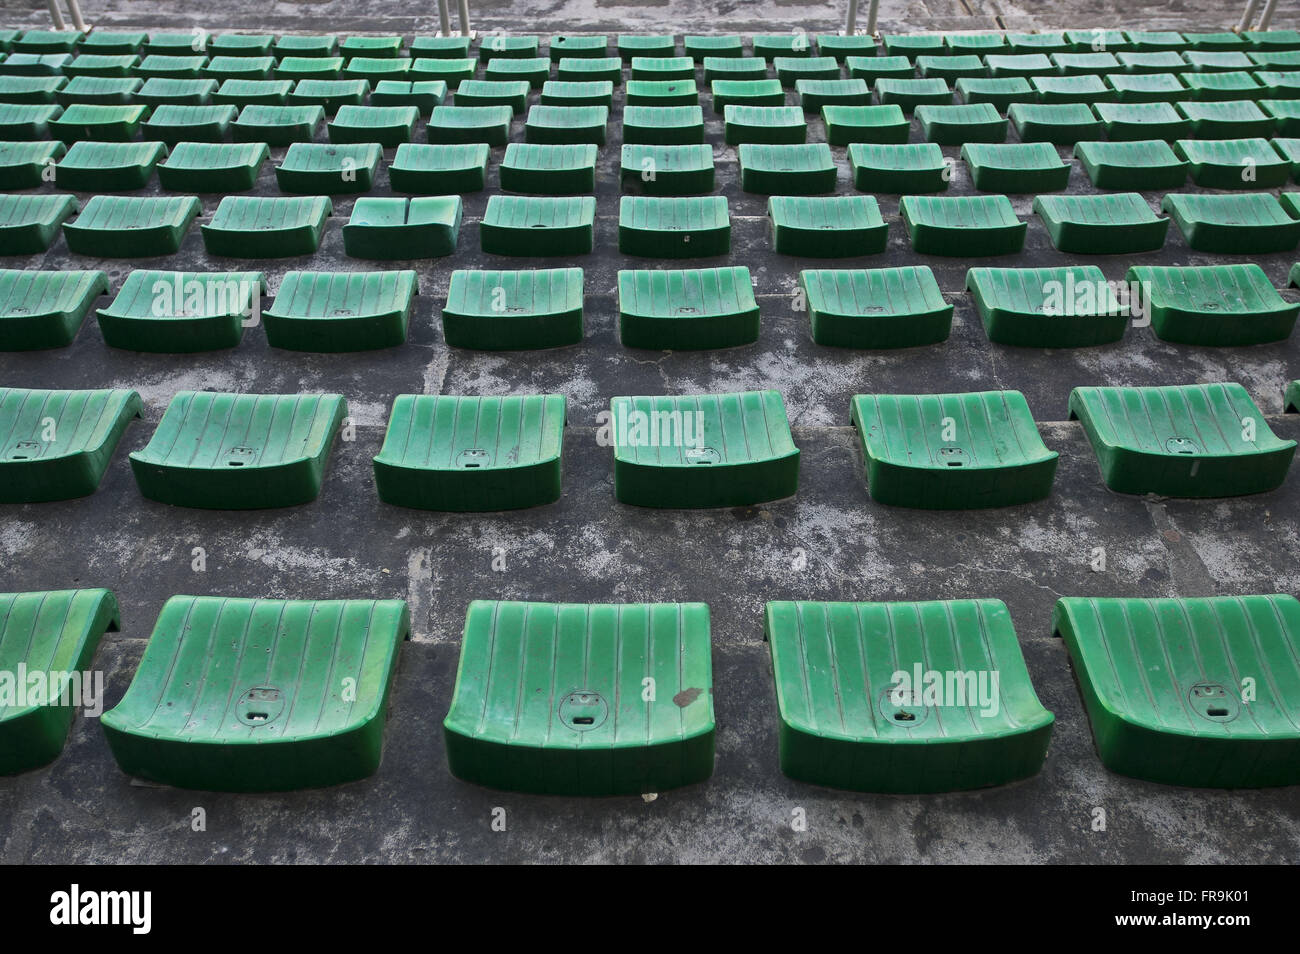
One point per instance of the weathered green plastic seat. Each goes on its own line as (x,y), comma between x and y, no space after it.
(440,47)
(49,637)
(674,226)
(1142,122)
(630,45)
(791,169)
(952,451)
(1069,306)
(266,227)
(827,226)
(213,167)
(1150,166)
(182,312)
(698,47)
(734,68)
(110,41)
(705,450)
(1272,39)
(442,169)
(451,72)
(545,169)
(245,92)
(1214,305)
(876,307)
(857,711)
(663,125)
(841,46)
(815,94)
(791,69)
(1020,65)
(745,93)
(538,225)
(1149,63)
(1285,60)
(1225,120)
(911,45)
(385,125)
(1280,84)
(1072,89)
(1291,399)
(31,89)
(1287,148)
(173,124)
(329,94)
(1041,43)
(277,125)
(96,64)
(99,122)
(782,44)
(687,309)
(424,95)
(58,444)
(957,125)
(242,44)
(1222,86)
(582,47)
(1195,440)
(659,93)
(44,309)
(480,93)
(343,311)
(999,93)
(962,225)
(313,168)
(541,703)
(1284,113)
(310,68)
(567,124)
(161,91)
(243,695)
(1241,224)
(513,310)
(118,226)
(1110,224)
(1016,167)
(1155,40)
(662,68)
(872,68)
(1085,64)
(898,168)
(911,93)
(239,451)
(878,124)
(470,124)
(472,454)
(105,90)
(1161,680)
(601,93)
(171,67)
(583,69)
(388,46)
(1061,124)
(764,124)
(376,68)
(1098,39)
(29,224)
(177,44)
(669,170)
(108,166)
(950,66)
(1233,163)
(397,228)
(1209,61)
(35,64)
(968,43)
(26,165)
(533,70)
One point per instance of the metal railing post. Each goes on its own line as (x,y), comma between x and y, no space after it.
(851,24)
(74,8)
(444,18)
(464,19)
(57,16)
(1247,16)
(872,10)
(1267,17)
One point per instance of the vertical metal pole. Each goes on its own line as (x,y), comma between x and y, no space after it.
(464,18)
(444,18)
(74,8)
(57,16)
(851,25)
(1247,16)
(872,10)
(1267,18)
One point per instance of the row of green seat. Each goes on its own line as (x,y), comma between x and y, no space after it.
(617,699)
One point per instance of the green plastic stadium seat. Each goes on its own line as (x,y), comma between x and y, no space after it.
(1156,40)
(1155,62)
(1019,65)
(108,166)
(162,91)
(172,67)
(1280,85)
(107,91)
(277,125)
(1226,120)
(239,67)
(815,94)
(999,93)
(45,309)
(1088,88)
(514,310)
(601,93)
(1233,163)
(567,124)
(117,226)
(733,68)
(538,225)
(663,68)
(803,169)
(898,168)
(1097,39)
(840,226)
(1284,113)
(1291,399)
(177,44)
(242,44)
(1214,305)
(427,169)
(663,125)
(1081,64)
(329,94)
(213,167)
(1203,61)
(791,69)
(1241,224)
(744,93)
(94,64)
(876,307)
(877,124)
(782,44)
(1272,39)
(872,68)
(341,311)
(764,124)
(451,72)
(1061,124)
(424,95)
(1110,224)
(950,67)
(262,227)
(31,89)
(958,125)
(842,46)
(181,312)
(470,124)
(35,64)
(26,165)
(374,69)
(545,169)
(962,225)
(911,45)
(630,45)
(385,125)
(674,226)
(1222,86)
(911,93)
(396,228)
(499,46)
(1150,166)
(1287,148)
(173,124)
(608,69)
(1148,88)
(111,42)
(241,92)
(669,170)
(1051,42)
(385,46)
(106,123)
(698,47)
(970,43)
(1016,167)
(297,68)
(440,47)
(312,168)
(585,47)
(690,309)
(29,224)
(1142,122)
(1069,306)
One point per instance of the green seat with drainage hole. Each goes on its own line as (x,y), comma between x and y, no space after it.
(1284,113)
(29,224)
(546,169)
(442,169)
(586,69)
(239,451)
(95,121)
(663,125)
(329,94)
(952,451)
(277,125)
(388,228)
(58,444)
(182,312)
(698,47)
(161,91)
(1069,306)
(601,93)
(47,642)
(687,309)
(630,45)
(257,695)
(674,226)
(533,70)
(108,166)
(45,309)
(582,47)
(1016,167)
(791,69)
(842,46)
(1233,163)
(310,68)
(657,93)
(162,66)
(734,68)
(451,72)
(1150,166)
(538,225)
(514,310)
(876,307)
(385,125)
(1214,305)
(237,92)
(999,93)
(1195,440)
(26,165)
(661,68)
(541,703)
(1061,124)
(950,67)
(472,93)
(1225,120)
(1161,681)
(1085,64)
(118,226)
(877,124)
(1072,89)
(911,93)
(872,68)
(1240,224)
(790,169)
(313,168)
(764,124)
(958,125)
(100,90)
(173,124)
(745,93)
(1149,63)
(911,45)
(1216,87)
(962,225)
(669,170)
(95,64)
(470,124)
(567,124)
(1112,224)
(472,454)
(1040,43)
(31,89)
(860,706)
(840,226)
(814,94)
(898,168)
(213,167)
(440,47)
(239,67)
(374,69)
(701,451)
(424,95)
(1021,65)
(248,226)
(331,312)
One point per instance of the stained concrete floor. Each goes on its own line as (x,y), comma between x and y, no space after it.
(829,542)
